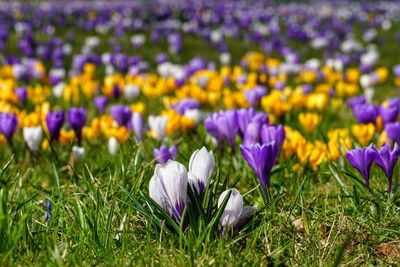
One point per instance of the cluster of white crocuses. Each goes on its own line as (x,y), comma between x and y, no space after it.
(168,187)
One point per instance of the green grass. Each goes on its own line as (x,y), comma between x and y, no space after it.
(338,220)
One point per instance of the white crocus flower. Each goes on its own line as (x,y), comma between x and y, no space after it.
(201,167)
(33,137)
(225,58)
(58,89)
(113,146)
(168,187)
(369,93)
(131,91)
(78,152)
(233,208)
(158,126)
(194,114)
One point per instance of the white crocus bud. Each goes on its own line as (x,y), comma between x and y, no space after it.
(168,187)
(225,58)
(113,146)
(78,152)
(158,126)
(366,80)
(201,167)
(194,114)
(233,208)
(131,91)
(369,93)
(33,137)
(58,89)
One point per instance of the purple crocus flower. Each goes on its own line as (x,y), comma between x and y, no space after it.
(223,125)
(48,216)
(392,130)
(101,103)
(389,113)
(355,101)
(246,116)
(261,158)
(252,134)
(22,94)
(386,159)
(77,119)
(54,122)
(121,114)
(361,159)
(186,104)
(116,91)
(366,113)
(163,154)
(396,70)
(138,126)
(161,58)
(8,125)
(254,96)
(275,133)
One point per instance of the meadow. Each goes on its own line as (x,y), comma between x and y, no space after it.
(195,133)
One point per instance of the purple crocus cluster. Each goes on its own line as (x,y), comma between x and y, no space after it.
(262,141)
(385,157)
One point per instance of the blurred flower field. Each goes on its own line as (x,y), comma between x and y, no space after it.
(202,133)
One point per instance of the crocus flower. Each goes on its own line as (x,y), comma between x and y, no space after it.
(101,103)
(116,91)
(121,114)
(201,167)
(252,134)
(8,125)
(275,133)
(77,153)
(366,113)
(261,159)
(355,101)
(22,94)
(186,104)
(77,119)
(233,208)
(48,216)
(223,126)
(396,70)
(393,131)
(33,137)
(254,96)
(246,116)
(194,114)
(54,122)
(138,125)
(389,113)
(131,91)
(386,158)
(361,159)
(168,187)
(158,126)
(113,145)
(163,154)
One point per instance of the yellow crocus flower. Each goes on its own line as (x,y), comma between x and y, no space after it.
(309,121)
(363,133)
